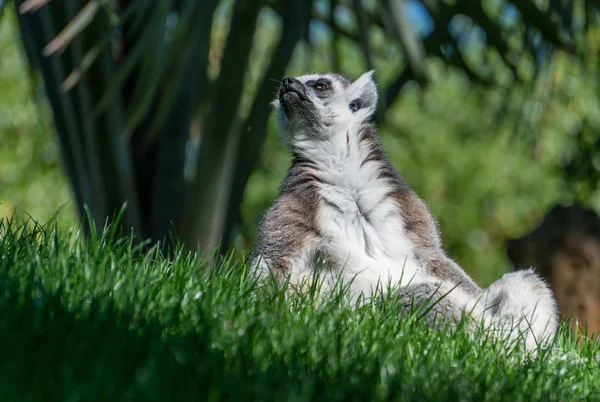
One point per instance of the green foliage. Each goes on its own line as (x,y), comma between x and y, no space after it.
(98,320)
(490,161)
(31,176)
(477,176)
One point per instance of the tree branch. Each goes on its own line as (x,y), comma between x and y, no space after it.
(2,7)
(363,32)
(336,35)
(442,15)
(296,17)
(393,16)
(207,197)
(340,31)
(392,92)
(492,30)
(36,32)
(542,22)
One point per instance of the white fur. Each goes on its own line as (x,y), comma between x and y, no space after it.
(527,308)
(346,232)
(348,185)
(518,302)
(339,114)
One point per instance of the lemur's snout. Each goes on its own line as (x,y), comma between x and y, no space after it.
(291,91)
(288,81)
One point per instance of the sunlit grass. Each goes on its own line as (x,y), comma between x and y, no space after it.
(99,319)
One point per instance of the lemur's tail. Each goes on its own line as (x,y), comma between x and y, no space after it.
(520,306)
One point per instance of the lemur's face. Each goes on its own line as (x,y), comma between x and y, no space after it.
(325,101)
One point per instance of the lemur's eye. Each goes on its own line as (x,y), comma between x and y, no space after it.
(320,85)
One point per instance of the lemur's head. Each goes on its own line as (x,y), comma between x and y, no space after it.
(321,103)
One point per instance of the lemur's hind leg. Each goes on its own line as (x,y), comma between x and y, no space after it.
(521,304)
(438,301)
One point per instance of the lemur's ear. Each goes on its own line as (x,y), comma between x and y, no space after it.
(364,93)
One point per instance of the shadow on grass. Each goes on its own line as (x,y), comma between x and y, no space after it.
(49,353)
(52,354)
(95,320)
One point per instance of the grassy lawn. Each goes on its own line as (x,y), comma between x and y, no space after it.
(87,320)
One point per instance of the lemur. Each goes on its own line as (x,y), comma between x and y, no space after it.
(344,211)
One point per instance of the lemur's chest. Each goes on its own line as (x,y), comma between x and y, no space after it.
(357,212)
(364,219)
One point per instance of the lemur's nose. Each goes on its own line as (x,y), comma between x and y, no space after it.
(286,82)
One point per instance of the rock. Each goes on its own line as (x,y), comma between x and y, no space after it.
(565,249)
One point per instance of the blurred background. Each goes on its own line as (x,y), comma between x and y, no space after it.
(490,109)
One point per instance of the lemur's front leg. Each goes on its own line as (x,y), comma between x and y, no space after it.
(287,241)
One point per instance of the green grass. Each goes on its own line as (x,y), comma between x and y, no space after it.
(99,320)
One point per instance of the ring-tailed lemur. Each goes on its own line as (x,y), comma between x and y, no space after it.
(344,205)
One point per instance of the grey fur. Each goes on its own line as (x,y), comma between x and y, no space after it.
(292,240)
(291,223)
(419,223)
(436,306)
